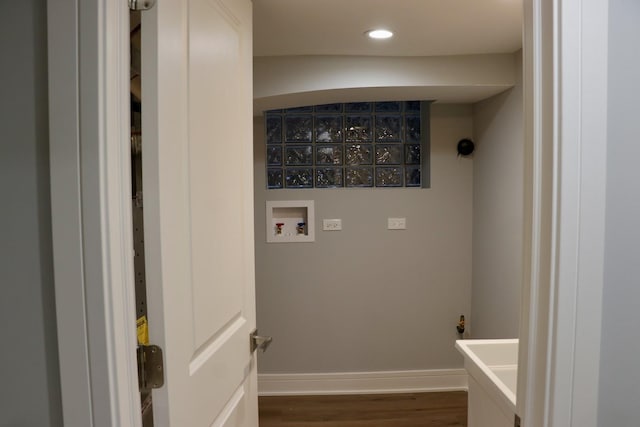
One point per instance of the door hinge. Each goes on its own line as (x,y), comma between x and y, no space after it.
(150,367)
(141,4)
(516,421)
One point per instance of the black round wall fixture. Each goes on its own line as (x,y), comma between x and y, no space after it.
(465,147)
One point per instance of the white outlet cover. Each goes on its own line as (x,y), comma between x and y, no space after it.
(396,223)
(332,224)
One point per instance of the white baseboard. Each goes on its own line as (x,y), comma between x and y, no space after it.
(362,382)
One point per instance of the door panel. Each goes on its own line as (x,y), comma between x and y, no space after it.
(197,118)
(214,62)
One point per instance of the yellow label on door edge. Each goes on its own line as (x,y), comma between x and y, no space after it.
(143,330)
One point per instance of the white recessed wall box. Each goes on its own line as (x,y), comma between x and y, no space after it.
(290,221)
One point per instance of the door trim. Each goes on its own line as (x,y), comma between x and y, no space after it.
(566,130)
(577,284)
(92,218)
(88,50)
(71,316)
(538,194)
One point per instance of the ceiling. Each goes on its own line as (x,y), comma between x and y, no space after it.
(421,27)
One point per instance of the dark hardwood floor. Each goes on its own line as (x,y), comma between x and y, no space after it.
(374,410)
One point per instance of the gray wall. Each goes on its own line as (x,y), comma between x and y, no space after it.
(620,346)
(366,298)
(498,175)
(29,377)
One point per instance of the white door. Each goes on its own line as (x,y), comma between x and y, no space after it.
(198,203)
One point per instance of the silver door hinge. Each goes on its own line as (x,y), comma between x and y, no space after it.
(141,4)
(150,367)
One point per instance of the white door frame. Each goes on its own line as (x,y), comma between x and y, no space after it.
(565,128)
(88,48)
(565,43)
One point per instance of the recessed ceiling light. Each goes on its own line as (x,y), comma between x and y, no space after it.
(379,34)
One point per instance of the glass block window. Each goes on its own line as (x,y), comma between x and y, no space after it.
(356,144)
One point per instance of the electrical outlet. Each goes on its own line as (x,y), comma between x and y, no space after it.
(396,223)
(332,224)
